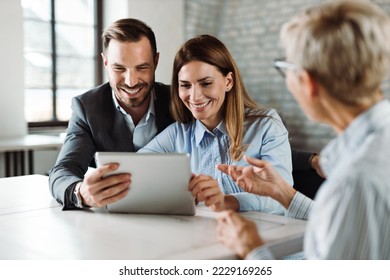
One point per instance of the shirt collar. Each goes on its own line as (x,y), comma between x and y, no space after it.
(355,134)
(201,131)
(150,111)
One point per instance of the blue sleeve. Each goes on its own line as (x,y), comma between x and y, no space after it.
(164,142)
(270,143)
(253,202)
(267,139)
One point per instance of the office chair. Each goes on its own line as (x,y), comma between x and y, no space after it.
(307,182)
(306,179)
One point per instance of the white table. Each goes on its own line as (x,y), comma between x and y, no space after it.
(35,227)
(25,193)
(14,149)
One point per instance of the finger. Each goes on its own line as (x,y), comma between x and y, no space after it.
(199,182)
(114,190)
(221,225)
(116,179)
(94,188)
(217,207)
(214,198)
(245,178)
(223,168)
(255,162)
(235,172)
(222,237)
(235,219)
(241,183)
(114,198)
(221,231)
(106,187)
(103,170)
(199,190)
(216,201)
(109,194)
(192,182)
(221,216)
(208,192)
(247,181)
(200,178)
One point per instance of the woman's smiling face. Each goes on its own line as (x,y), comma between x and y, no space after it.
(202,88)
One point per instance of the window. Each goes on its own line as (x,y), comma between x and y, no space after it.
(61,55)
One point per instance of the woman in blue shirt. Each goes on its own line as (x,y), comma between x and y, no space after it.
(217,122)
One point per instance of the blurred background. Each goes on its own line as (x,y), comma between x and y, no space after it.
(50,52)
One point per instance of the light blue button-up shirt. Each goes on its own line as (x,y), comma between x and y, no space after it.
(267,139)
(350,216)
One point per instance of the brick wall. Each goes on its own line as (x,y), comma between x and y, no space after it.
(250,29)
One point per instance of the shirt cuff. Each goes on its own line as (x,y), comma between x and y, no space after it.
(300,207)
(253,202)
(69,203)
(260,253)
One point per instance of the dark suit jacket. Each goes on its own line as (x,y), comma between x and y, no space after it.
(96,125)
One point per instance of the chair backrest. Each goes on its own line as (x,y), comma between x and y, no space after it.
(307,182)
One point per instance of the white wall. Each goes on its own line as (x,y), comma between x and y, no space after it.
(114,10)
(12,120)
(165,17)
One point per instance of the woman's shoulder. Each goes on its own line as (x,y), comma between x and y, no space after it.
(181,128)
(262,115)
(263,120)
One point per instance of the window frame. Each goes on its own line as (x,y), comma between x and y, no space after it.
(98,27)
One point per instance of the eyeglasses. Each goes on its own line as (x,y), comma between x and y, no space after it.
(281,65)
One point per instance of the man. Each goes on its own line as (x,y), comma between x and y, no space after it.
(122,115)
(338,54)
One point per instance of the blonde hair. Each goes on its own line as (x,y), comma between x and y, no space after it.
(344,45)
(237,104)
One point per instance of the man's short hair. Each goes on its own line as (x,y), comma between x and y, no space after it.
(129,29)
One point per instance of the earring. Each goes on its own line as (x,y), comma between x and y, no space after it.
(227,89)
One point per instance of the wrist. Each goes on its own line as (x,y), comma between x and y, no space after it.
(312,161)
(231,203)
(285,195)
(77,197)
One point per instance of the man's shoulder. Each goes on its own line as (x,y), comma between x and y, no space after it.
(97,99)
(102,91)
(162,91)
(161,105)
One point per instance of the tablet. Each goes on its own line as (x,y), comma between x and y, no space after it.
(159,182)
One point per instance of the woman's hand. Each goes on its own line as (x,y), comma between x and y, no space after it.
(205,188)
